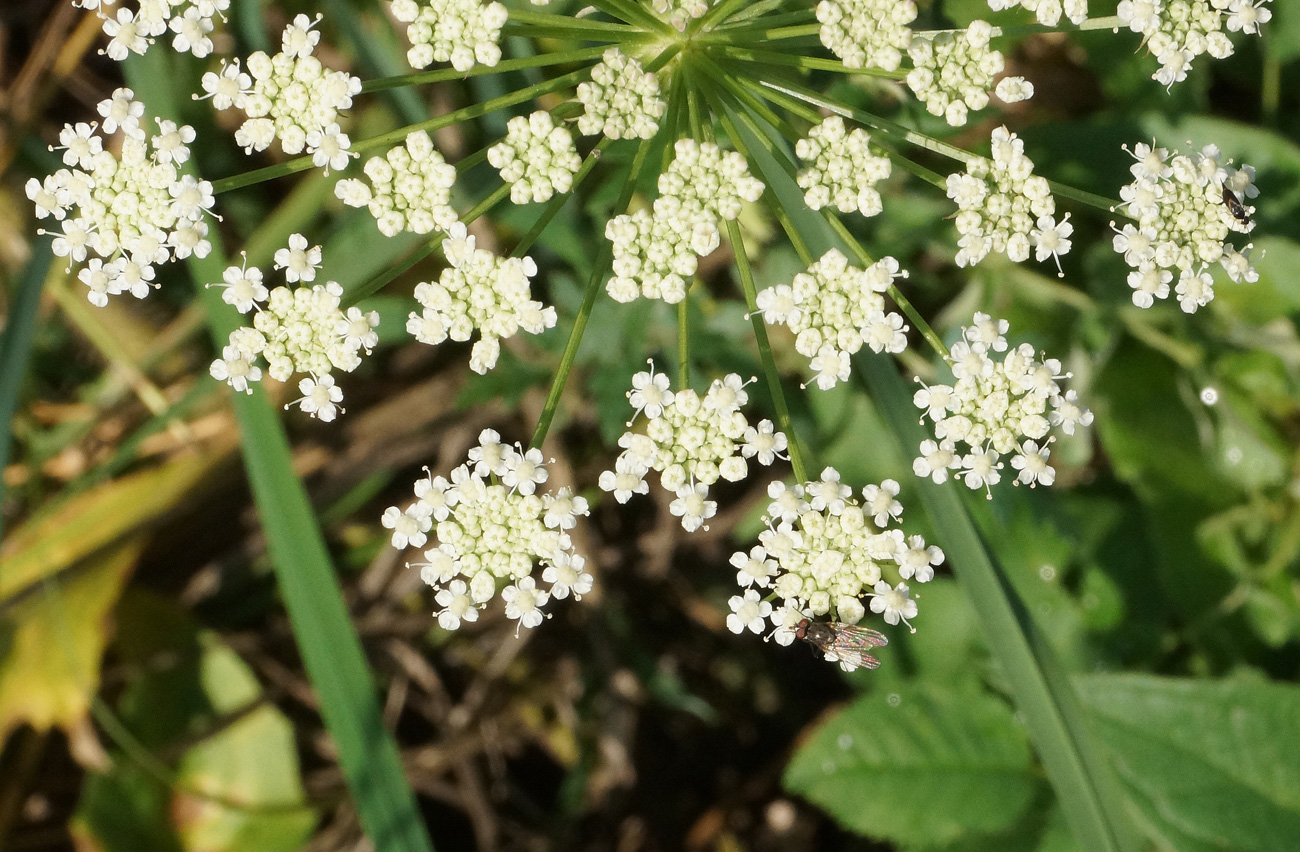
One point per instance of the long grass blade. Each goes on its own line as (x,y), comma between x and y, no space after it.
(1075,766)
(331,652)
(16,347)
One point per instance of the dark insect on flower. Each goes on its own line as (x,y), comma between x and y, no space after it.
(845,643)
(1234,205)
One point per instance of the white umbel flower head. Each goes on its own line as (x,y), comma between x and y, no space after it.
(1176,32)
(492,536)
(478,291)
(621,100)
(824,552)
(841,171)
(1184,209)
(409,188)
(190,21)
(953,72)
(691,441)
(833,309)
(867,33)
(995,407)
(463,32)
(537,158)
(301,329)
(290,97)
(1048,12)
(126,213)
(1002,206)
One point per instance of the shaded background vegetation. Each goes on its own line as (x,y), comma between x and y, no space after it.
(151,693)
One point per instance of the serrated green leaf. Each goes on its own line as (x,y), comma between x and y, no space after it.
(921,766)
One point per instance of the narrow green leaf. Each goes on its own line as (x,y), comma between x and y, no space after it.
(16,346)
(922,766)
(1211,765)
(1043,693)
(331,652)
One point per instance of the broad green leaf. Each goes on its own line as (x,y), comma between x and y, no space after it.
(52,639)
(236,784)
(1211,765)
(919,766)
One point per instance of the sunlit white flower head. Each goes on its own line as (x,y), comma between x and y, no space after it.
(1048,12)
(748,612)
(478,291)
(1178,31)
(993,408)
(463,32)
(833,309)
(691,441)
(621,100)
(492,536)
(290,97)
(953,72)
(824,551)
(409,188)
(301,329)
(133,30)
(1182,223)
(842,171)
(1004,207)
(894,602)
(656,251)
(537,158)
(867,33)
(680,12)
(125,213)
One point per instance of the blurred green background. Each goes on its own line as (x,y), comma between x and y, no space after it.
(152,695)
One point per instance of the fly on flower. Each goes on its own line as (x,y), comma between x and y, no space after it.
(845,643)
(1234,205)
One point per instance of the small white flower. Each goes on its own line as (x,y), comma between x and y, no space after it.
(409,527)
(692,507)
(298,261)
(566,576)
(457,605)
(748,612)
(627,478)
(524,472)
(754,568)
(320,398)
(895,602)
(649,393)
(524,602)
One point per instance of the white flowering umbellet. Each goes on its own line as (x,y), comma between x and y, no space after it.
(492,537)
(841,170)
(123,215)
(833,309)
(300,329)
(478,291)
(995,407)
(621,100)
(867,33)
(823,552)
(1048,12)
(691,441)
(537,158)
(1182,224)
(463,32)
(1004,207)
(1178,31)
(132,30)
(656,251)
(290,96)
(409,188)
(953,72)
(679,13)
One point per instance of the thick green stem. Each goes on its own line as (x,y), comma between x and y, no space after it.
(598,272)
(759,34)
(684,341)
(808,63)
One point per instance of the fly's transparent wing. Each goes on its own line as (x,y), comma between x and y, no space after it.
(852,645)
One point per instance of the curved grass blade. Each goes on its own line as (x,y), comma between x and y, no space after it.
(331,652)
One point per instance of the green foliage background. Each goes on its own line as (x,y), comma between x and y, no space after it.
(1162,568)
